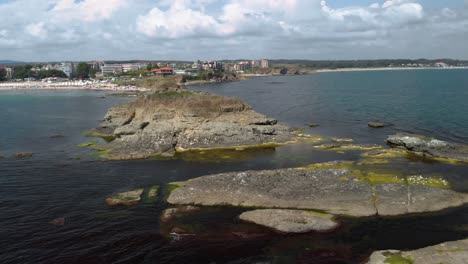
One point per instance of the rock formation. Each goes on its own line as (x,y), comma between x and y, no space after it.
(450,252)
(168,121)
(430,147)
(332,190)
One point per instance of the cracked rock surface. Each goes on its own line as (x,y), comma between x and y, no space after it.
(455,252)
(334,191)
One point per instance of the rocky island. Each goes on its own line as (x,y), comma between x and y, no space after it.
(176,119)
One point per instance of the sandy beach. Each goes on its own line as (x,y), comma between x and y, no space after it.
(68,86)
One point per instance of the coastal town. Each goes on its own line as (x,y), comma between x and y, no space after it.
(103,74)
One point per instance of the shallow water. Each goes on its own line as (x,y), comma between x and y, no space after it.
(62,180)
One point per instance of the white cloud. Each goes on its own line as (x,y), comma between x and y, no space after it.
(178,21)
(230,28)
(37,30)
(87,10)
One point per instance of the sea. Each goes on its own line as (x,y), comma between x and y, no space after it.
(52,204)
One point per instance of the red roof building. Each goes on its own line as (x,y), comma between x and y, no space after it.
(163,71)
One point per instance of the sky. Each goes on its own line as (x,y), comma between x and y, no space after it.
(83,30)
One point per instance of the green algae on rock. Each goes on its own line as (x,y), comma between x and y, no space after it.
(340,147)
(106,137)
(178,120)
(455,252)
(151,195)
(125,198)
(361,193)
(430,147)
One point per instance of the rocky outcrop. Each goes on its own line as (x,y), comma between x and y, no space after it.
(175,121)
(376,124)
(333,190)
(23,155)
(291,221)
(450,252)
(430,147)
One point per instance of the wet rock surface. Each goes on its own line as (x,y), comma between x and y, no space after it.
(335,191)
(291,221)
(376,124)
(23,155)
(171,213)
(175,121)
(429,147)
(125,198)
(450,252)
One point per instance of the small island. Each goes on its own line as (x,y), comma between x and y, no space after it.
(172,119)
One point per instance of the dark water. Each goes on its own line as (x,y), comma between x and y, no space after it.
(62,180)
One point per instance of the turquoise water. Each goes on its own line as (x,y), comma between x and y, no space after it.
(62,180)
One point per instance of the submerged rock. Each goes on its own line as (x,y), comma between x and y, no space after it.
(23,155)
(450,252)
(347,147)
(125,198)
(376,124)
(430,147)
(56,136)
(333,190)
(167,122)
(291,221)
(170,214)
(58,221)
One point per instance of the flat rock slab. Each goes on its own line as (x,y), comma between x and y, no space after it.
(291,221)
(335,191)
(430,147)
(450,252)
(125,198)
(285,188)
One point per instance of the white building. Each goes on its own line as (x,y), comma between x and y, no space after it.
(264,64)
(130,67)
(111,68)
(67,68)
(9,72)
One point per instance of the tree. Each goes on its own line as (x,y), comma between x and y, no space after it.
(2,75)
(82,70)
(284,71)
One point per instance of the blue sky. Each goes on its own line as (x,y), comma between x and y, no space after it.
(49,30)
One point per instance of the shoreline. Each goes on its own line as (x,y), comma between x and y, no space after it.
(388,69)
(39,86)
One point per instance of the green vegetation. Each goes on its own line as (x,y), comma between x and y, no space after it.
(341,64)
(22,72)
(396,258)
(2,75)
(82,70)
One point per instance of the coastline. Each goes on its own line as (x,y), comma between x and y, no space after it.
(388,69)
(24,86)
